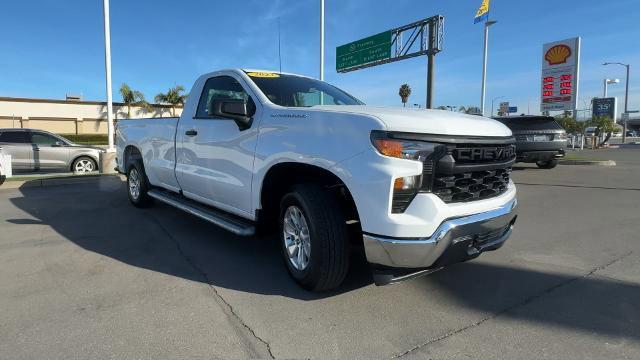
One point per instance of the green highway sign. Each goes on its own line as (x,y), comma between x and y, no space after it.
(363,51)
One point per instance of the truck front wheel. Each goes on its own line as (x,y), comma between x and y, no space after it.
(315,241)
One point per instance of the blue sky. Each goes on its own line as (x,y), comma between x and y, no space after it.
(52,47)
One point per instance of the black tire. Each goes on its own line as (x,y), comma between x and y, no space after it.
(80,159)
(329,239)
(550,164)
(140,198)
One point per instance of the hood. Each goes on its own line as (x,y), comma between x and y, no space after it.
(426,121)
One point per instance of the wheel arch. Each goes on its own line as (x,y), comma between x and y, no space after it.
(282,176)
(131,153)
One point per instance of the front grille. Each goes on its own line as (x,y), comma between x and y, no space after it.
(469,186)
(469,172)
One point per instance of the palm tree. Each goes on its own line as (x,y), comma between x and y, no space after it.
(133,98)
(174,97)
(404,92)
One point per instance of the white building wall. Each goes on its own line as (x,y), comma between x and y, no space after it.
(69,117)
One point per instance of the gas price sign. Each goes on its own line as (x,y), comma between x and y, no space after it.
(560,71)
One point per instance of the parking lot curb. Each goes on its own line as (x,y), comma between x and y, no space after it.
(588,162)
(54,181)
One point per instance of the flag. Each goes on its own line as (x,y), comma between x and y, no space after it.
(483,12)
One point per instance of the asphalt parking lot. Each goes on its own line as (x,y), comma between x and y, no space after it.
(83,274)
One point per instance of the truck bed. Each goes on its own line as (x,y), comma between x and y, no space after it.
(155,137)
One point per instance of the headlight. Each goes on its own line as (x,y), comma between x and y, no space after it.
(405,188)
(401,149)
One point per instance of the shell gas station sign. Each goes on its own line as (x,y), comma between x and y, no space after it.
(560,71)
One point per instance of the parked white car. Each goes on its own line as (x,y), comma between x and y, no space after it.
(419,189)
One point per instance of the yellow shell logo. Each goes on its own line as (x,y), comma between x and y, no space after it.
(558,54)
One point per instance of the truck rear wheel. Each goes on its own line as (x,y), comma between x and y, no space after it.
(138,185)
(550,164)
(315,241)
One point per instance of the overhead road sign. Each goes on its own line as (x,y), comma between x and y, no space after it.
(424,37)
(364,51)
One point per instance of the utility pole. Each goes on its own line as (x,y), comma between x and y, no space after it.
(107,60)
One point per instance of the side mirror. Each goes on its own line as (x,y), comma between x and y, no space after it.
(58,144)
(234,109)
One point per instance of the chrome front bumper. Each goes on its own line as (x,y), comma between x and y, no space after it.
(454,240)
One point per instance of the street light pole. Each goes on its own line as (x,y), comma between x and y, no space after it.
(607,82)
(492,101)
(626,99)
(484,62)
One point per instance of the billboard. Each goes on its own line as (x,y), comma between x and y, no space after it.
(605,107)
(560,74)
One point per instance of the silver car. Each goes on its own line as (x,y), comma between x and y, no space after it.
(33,149)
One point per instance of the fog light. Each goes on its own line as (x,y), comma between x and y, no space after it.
(404,190)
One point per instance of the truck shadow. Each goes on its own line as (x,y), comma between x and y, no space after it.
(98,217)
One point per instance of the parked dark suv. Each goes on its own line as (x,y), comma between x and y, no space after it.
(539,139)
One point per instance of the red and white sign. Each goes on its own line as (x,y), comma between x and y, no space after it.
(560,71)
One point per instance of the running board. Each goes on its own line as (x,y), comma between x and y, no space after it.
(226,221)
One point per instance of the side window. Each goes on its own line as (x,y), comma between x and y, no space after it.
(42,139)
(221,88)
(15,137)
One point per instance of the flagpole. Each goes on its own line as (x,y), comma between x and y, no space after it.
(107,62)
(484,62)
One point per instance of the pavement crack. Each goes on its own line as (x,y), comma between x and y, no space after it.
(227,308)
(522,303)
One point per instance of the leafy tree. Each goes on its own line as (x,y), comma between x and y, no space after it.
(174,97)
(570,124)
(132,97)
(603,124)
(404,92)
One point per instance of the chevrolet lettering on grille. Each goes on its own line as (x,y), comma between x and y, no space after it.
(485,153)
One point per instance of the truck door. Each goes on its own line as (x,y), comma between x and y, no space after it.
(214,158)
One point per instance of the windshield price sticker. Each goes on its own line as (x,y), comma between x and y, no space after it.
(263,74)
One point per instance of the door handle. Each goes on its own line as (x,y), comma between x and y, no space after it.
(191,132)
(36,149)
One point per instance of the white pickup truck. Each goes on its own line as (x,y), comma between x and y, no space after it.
(418,189)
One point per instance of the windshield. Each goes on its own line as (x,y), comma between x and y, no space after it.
(298,91)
